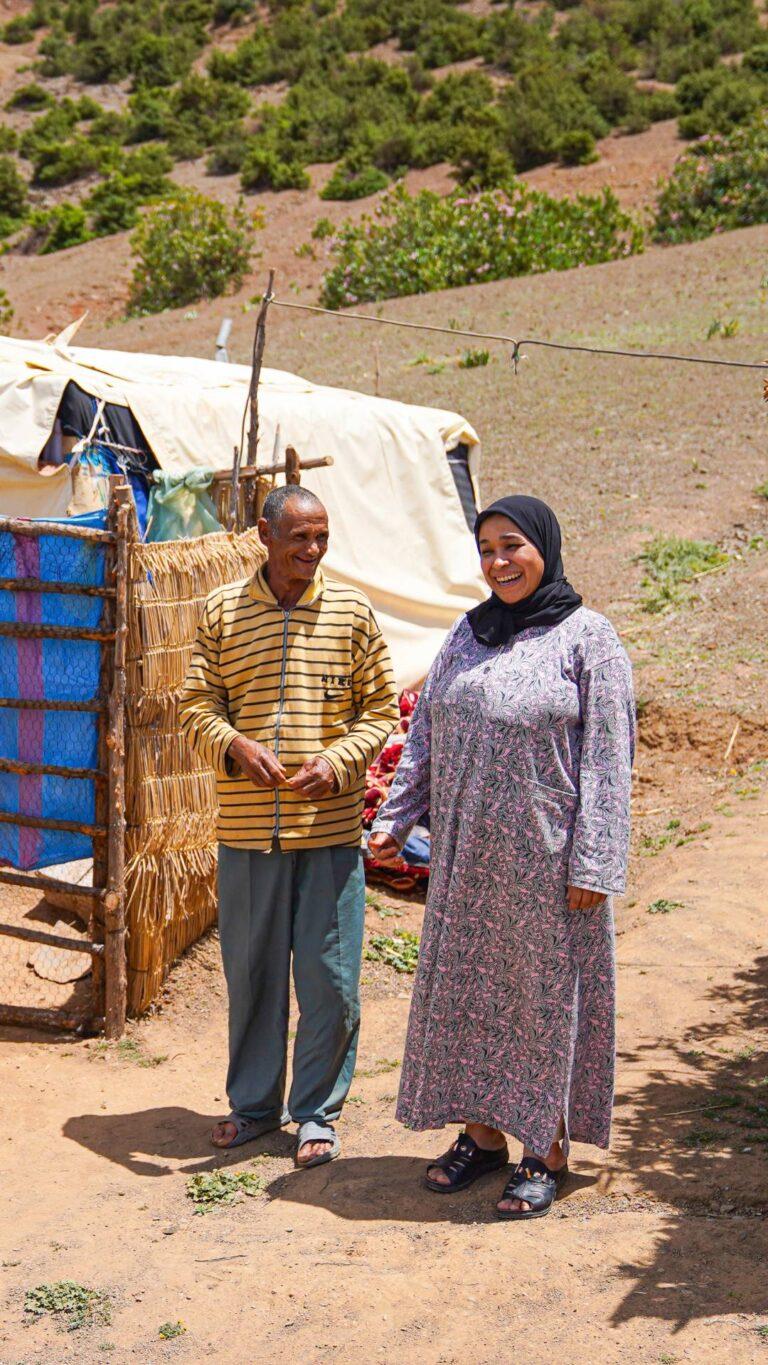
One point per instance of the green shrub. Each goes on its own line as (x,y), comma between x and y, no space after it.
(264,169)
(32,96)
(322,230)
(717,101)
(545,103)
(354,178)
(720,183)
(13,189)
(228,154)
(576,147)
(670,564)
(18,30)
(413,245)
(141,179)
(188,249)
(6,311)
(62,226)
(9,138)
(60,165)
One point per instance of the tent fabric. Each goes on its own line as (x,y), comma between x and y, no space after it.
(57,670)
(398,530)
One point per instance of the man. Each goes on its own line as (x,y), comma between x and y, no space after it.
(290,696)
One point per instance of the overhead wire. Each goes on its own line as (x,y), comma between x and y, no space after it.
(516,343)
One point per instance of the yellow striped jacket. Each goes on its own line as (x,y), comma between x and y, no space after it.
(313,680)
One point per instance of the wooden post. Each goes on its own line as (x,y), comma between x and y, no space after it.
(234,493)
(259,339)
(116,983)
(292,466)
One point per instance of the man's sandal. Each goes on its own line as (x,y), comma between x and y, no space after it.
(464,1163)
(533,1182)
(248,1129)
(311,1131)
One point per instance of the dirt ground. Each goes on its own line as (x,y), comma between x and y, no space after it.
(657,1252)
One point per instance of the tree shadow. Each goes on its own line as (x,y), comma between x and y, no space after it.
(696,1139)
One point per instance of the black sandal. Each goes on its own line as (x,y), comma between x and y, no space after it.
(532,1181)
(464,1163)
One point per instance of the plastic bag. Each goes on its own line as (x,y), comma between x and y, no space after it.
(179,506)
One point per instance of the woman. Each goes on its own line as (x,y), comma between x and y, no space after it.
(521,749)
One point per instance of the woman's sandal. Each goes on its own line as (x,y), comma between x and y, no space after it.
(534,1182)
(464,1163)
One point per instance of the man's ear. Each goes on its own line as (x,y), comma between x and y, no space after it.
(263,529)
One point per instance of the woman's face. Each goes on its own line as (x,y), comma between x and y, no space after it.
(511,565)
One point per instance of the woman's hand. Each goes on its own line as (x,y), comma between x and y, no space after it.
(581,899)
(384,848)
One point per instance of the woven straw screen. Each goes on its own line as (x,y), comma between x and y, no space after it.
(170,795)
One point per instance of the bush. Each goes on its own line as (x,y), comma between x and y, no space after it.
(354,178)
(189,249)
(720,183)
(31,96)
(576,148)
(59,227)
(264,169)
(545,103)
(6,311)
(141,179)
(13,189)
(416,244)
(9,138)
(61,164)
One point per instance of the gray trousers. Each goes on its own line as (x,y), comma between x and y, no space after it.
(309,904)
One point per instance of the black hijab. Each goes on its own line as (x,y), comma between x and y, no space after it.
(494,622)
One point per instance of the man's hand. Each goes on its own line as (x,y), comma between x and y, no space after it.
(384,848)
(314,779)
(257,762)
(581,899)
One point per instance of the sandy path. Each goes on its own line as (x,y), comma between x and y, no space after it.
(656,1252)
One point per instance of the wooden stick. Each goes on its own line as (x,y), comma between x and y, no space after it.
(72,945)
(259,340)
(85,894)
(293,466)
(28,1016)
(257,471)
(8,817)
(731,743)
(15,765)
(62,589)
(33,631)
(234,495)
(17,526)
(44,704)
(116,995)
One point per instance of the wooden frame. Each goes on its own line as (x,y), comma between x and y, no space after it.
(103,904)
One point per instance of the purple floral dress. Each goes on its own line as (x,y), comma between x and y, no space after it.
(522,755)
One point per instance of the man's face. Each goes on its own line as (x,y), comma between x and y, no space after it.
(297,545)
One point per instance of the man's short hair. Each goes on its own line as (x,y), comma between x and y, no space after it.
(276,501)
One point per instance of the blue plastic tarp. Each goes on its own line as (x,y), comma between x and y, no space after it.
(57,670)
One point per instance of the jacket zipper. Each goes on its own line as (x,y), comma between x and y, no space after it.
(279,717)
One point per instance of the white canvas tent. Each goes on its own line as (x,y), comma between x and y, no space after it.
(397,525)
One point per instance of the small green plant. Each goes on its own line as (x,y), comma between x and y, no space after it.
(169,1330)
(762,1331)
(322,230)
(211,1189)
(127,1050)
(473,359)
(354,178)
(762,489)
(670,563)
(74,1304)
(663,906)
(400,951)
(701,1137)
(188,249)
(717,328)
(577,147)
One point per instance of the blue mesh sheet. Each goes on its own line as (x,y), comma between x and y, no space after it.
(58,670)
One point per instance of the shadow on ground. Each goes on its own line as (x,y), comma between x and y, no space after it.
(695,1136)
